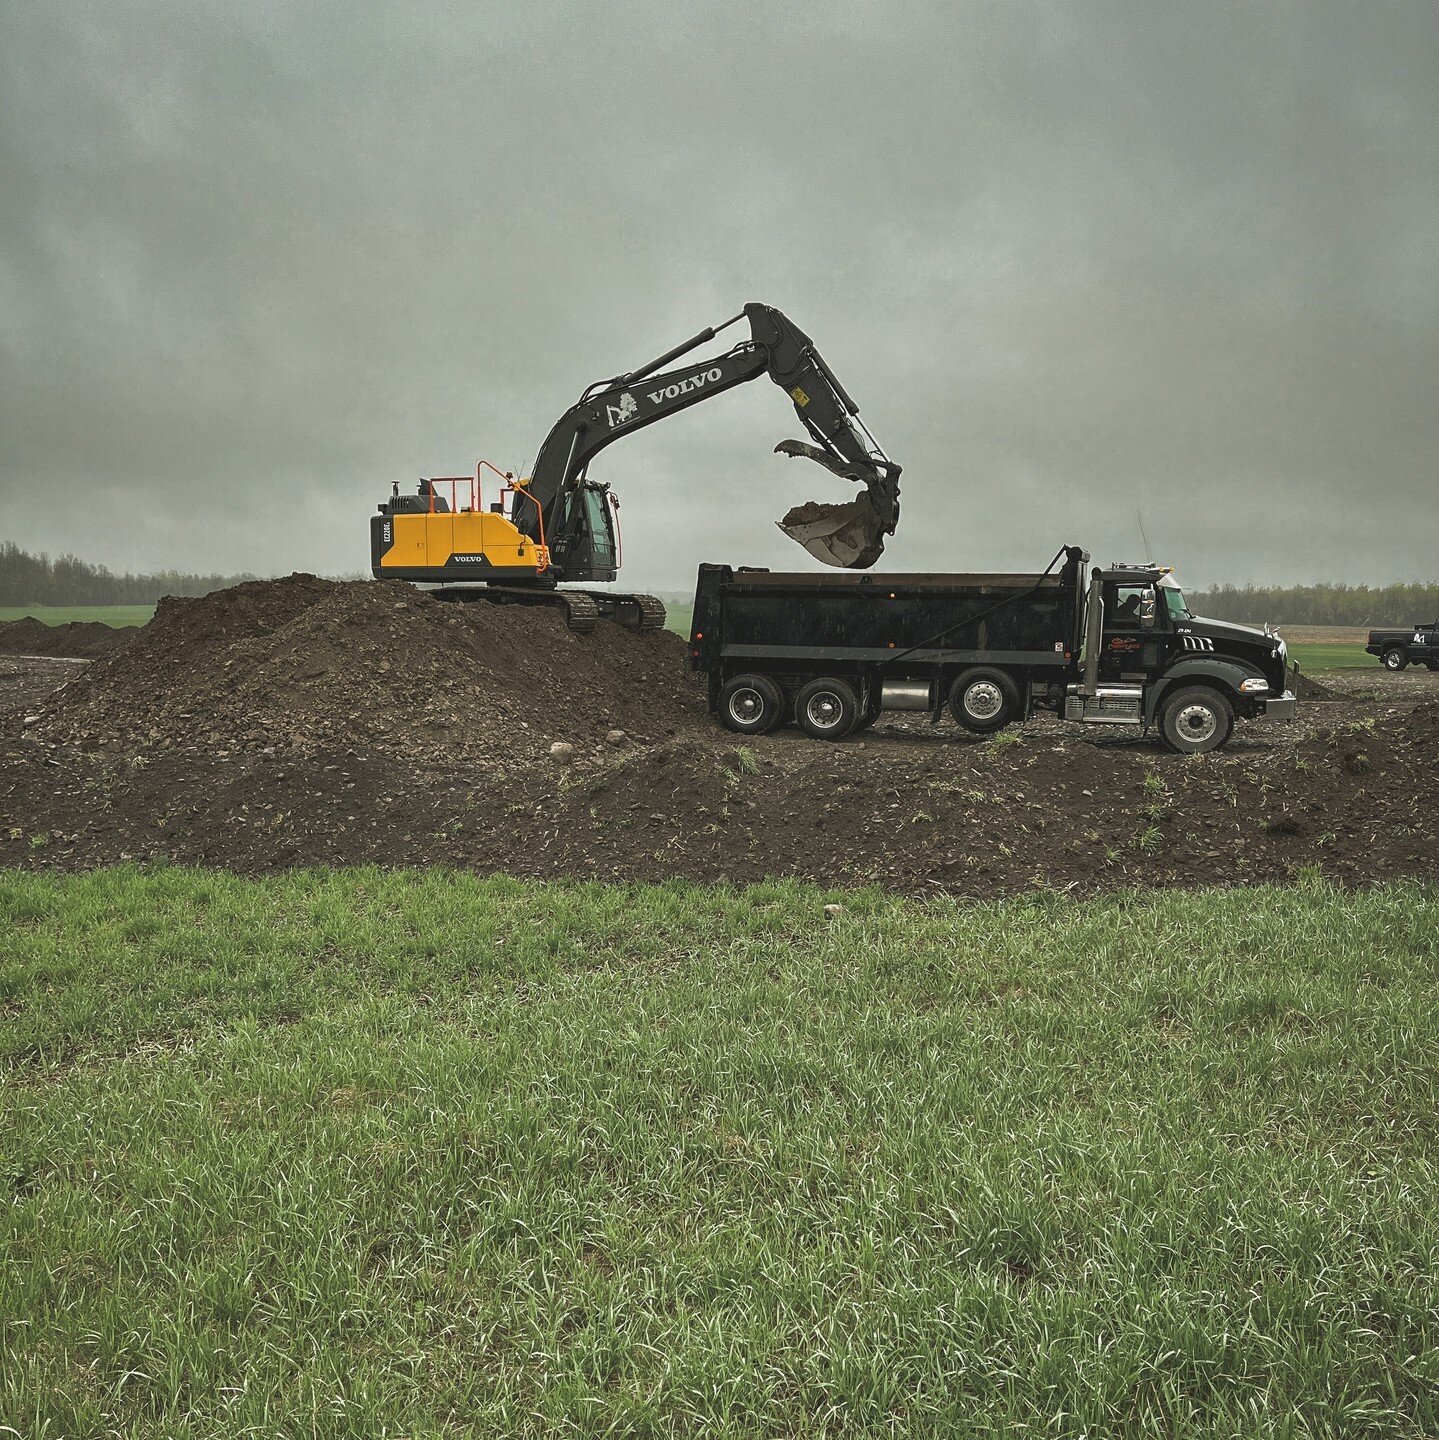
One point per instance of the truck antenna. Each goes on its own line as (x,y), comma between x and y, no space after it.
(1148,554)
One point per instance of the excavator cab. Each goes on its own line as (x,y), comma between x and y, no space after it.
(588,539)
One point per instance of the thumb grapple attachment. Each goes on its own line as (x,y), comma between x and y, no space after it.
(849,536)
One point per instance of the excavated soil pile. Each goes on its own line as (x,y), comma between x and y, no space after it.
(76,639)
(302,664)
(304,721)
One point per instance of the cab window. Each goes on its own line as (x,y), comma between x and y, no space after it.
(597,519)
(1130,607)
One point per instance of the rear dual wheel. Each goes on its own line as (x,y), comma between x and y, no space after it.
(827,709)
(751,704)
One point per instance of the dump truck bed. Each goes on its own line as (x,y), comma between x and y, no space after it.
(899,623)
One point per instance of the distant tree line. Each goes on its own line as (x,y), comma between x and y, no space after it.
(27,579)
(1362,605)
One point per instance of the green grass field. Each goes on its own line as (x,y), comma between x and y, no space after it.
(677,618)
(1313,659)
(425,1154)
(62,614)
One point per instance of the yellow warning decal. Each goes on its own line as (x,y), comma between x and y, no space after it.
(799,397)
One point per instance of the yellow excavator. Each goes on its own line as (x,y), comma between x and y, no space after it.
(544,536)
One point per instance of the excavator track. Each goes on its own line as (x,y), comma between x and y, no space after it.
(634,612)
(582,613)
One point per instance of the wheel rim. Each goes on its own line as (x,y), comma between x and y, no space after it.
(746,706)
(1392,659)
(983,700)
(823,710)
(1196,723)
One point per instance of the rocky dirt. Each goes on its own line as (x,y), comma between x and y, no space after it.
(301,665)
(305,721)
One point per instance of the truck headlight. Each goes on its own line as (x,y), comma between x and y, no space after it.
(1249,687)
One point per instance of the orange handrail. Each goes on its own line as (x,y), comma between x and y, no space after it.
(452,481)
(540,514)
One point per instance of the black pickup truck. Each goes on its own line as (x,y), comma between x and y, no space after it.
(1418,645)
(1112,646)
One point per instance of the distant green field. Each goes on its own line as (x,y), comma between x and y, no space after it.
(61,614)
(1312,658)
(423,1154)
(678,618)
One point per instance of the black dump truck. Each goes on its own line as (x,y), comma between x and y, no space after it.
(1418,645)
(1115,646)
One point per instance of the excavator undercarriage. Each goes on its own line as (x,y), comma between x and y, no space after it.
(583,609)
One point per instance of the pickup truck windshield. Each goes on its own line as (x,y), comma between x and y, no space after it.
(1174,601)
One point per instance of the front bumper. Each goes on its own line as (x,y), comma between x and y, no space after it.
(1277,707)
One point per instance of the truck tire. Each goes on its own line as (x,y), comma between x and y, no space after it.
(983,700)
(828,709)
(1196,719)
(750,705)
(1394,659)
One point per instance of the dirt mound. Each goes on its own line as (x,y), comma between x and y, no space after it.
(306,721)
(301,663)
(1421,727)
(1307,689)
(76,639)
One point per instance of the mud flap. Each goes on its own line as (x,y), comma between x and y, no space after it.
(849,536)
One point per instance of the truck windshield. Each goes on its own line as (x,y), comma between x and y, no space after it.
(1174,602)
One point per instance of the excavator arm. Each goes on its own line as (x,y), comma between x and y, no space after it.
(850,535)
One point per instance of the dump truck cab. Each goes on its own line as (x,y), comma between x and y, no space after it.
(1149,633)
(1143,646)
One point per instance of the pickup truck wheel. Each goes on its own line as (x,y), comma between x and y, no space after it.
(828,709)
(750,704)
(1195,720)
(983,700)
(1431,664)
(1394,658)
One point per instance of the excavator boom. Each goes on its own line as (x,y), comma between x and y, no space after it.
(848,535)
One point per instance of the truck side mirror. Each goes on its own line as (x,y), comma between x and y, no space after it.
(1147,611)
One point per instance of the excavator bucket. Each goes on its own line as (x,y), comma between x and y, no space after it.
(849,536)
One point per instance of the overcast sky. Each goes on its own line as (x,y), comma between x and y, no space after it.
(1074,260)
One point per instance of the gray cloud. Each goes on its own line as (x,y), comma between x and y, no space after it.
(1074,261)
